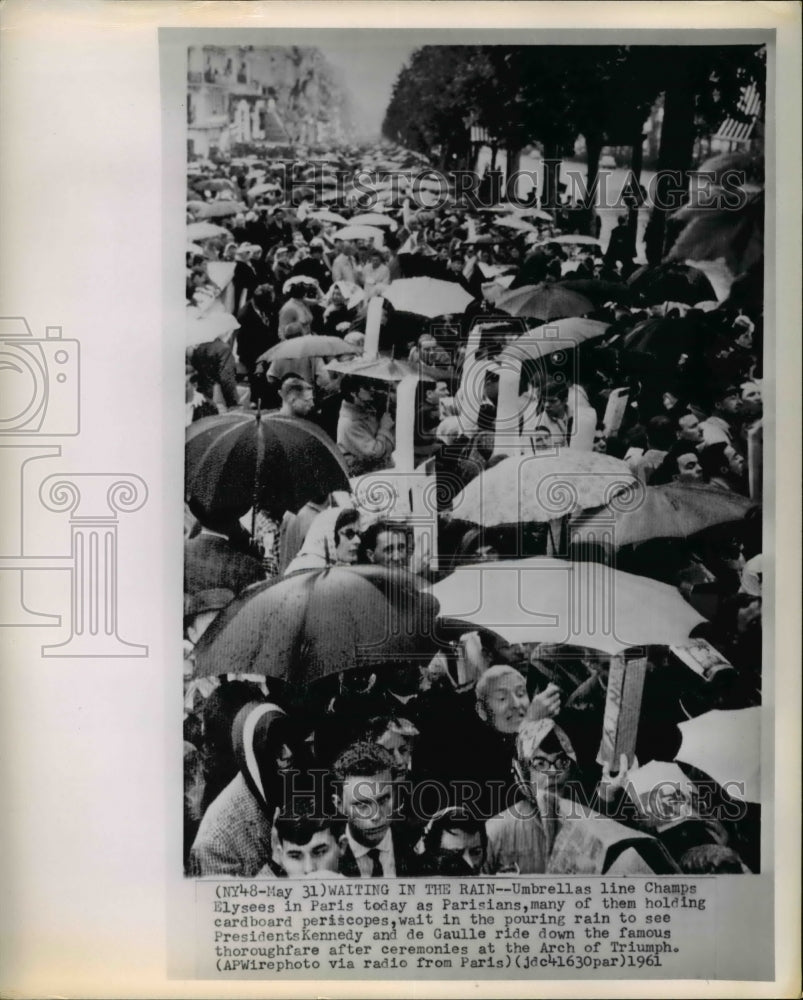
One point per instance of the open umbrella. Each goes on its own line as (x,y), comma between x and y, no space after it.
(218,209)
(429,297)
(665,338)
(203,328)
(265,188)
(358,233)
(671,282)
(543,487)
(213,184)
(517,223)
(552,337)
(315,623)
(323,215)
(373,219)
(726,745)
(386,369)
(574,239)
(283,461)
(668,511)
(205,231)
(557,601)
(547,301)
(311,346)
(599,291)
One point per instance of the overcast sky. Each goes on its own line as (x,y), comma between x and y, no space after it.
(370,71)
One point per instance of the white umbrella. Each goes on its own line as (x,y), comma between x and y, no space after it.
(726,745)
(514,222)
(201,329)
(205,231)
(359,233)
(574,238)
(427,296)
(324,215)
(557,601)
(546,486)
(373,219)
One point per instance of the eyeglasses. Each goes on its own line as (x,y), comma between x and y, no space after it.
(350,533)
(557,763)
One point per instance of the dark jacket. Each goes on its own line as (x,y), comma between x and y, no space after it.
(405,858)
(211,563)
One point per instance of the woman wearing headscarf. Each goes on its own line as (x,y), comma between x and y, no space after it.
(521,838)
(333,539)
(234,837)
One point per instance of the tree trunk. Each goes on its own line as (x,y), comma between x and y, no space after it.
(513,162)
(636,158)
(677,145)
(549,195)
(593,153)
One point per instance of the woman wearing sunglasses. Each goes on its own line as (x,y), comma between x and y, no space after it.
(333,539)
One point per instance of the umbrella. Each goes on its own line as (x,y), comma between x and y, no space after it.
(201,329)
(286,461)
(668,511)
(315,623)
(543,487)
(671,281)
(514,222)
(218,209)
(373,219)
(358,233)
(599,291)
(574,239)
(429,297)
(665,338)
(205,231)
(267,188)
(386,369)
(213,184)
(557,601)
(350,291)
(546,301)
(323,215)
(726,745)
(311,346)
(552,337)
(194,248)
(531,213)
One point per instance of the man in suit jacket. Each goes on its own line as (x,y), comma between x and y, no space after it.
(373,845)
(212,563)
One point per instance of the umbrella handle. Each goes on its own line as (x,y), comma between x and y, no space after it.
(257,466)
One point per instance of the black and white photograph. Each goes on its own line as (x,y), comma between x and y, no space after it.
(473,469)
(398,596)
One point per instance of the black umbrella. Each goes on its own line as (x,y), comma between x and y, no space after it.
(318,622)
(671,282)
(235,461)
(665,339)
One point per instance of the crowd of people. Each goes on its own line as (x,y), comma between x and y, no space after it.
(474,759)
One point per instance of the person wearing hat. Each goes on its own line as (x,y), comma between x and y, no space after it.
(314,266)
(722,425)
(211,562)
(281,268)
(234,837)
(521,837)
(297,397)
(278,229)
(301,293)
(364,435)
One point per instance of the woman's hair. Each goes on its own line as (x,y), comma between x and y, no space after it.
(346,517)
